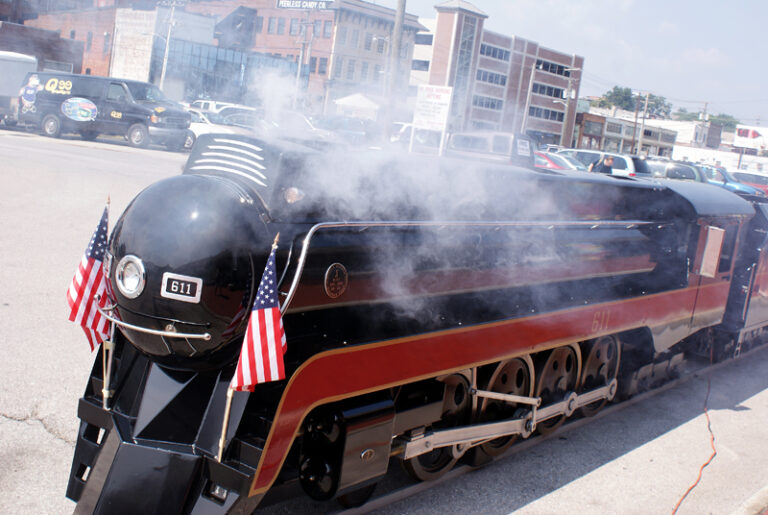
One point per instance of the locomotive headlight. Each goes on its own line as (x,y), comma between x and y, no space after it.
(130,276)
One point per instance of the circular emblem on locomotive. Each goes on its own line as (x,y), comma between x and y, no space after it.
(335,280)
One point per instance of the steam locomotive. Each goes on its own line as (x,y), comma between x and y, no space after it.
(435,310)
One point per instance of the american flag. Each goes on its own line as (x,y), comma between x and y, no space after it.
(89,282)
(261,358)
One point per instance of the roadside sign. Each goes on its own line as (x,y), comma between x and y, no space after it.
(433,103)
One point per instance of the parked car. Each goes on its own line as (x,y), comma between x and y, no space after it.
(425,141)
(211,105)
(297,127)
(503,147)
(623,165)
(356,131)
(209,123)
(699,173)
(90,105)
(555,161)
(674,170)
(756,180)
(722,177)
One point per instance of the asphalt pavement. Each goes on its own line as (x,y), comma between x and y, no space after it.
(641,459)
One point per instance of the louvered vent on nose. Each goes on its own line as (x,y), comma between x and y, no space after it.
(239,158)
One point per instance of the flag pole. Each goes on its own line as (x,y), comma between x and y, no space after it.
(230,393)
(106,353)
(106,350)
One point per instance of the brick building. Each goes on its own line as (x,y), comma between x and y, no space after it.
(344,49)
(500,82)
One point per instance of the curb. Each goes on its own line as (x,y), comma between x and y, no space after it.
(755,505)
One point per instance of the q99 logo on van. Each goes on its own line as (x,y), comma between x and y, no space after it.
(58,87)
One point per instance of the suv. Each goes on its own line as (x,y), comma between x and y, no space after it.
(702,173)
(90,105)
(624,165)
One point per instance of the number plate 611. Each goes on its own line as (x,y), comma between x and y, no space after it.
(181,287)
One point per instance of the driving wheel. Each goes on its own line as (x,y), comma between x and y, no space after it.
(513,377)
(557,374)
(456,408)
(601,366)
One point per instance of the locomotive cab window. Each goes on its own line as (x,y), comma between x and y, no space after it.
(729,244)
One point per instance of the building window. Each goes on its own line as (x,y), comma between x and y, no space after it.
(312,64)
(549,91)
(72,34)
(423,39)
(294,29)
(322,67)
(341,36)
(557,69)
(351,70)
(337,67)
(491,78)
(281,26)
(272,25)
(494,52)
(327,28)
(364,71)
(368,40)
(376,73)
(613,127)
(258,24)
(381,41)
(487,102)
(317,28)
(420,65)
(355,37)
(546,114)
(89,41)
(667,138)
(87,71)
(106,42)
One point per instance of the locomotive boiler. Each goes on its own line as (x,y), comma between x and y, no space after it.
(434,310)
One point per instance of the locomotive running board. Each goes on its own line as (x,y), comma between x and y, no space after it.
(468,435)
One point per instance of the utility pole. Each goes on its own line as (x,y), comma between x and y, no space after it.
(528,98)
(395,46)
(171,22)
(167,44)
(568,94)
(300,62)
(642,125)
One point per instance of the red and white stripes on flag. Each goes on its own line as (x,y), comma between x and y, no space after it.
(88,283)
(261,357)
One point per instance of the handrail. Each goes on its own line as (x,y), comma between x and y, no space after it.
(592,224)
(170,334)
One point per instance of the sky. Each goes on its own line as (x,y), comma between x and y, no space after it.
(689,52)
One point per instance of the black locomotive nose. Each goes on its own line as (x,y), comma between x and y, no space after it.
(183,258)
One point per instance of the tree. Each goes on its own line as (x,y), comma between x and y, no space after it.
(727,121)
(658,106)
(621,98)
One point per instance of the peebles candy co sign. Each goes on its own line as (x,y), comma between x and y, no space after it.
(304,4)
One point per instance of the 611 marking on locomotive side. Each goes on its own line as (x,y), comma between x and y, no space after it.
(600,320)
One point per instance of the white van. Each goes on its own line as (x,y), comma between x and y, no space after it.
(15,67)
